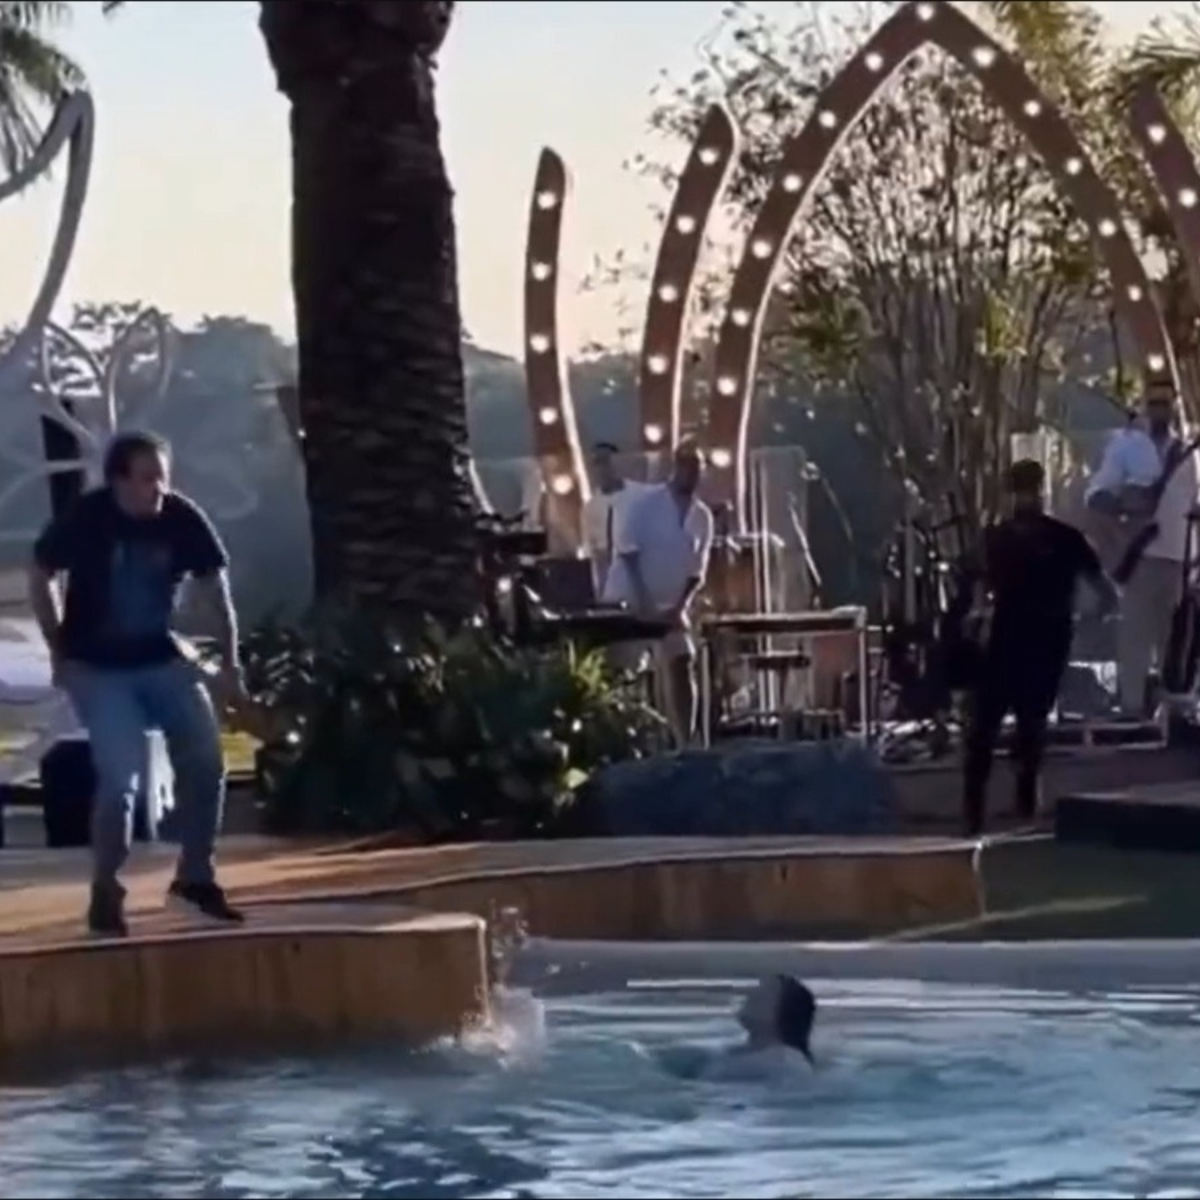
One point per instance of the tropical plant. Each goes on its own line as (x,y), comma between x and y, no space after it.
(34,73)
(449,735)
(377,309)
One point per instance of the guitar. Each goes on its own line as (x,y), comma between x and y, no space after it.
(1144,512)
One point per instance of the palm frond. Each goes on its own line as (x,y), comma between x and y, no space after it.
(34,74)
(1167,58)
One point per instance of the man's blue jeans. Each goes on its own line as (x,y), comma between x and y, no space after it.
(118,708)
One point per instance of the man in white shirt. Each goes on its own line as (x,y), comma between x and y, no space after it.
(1134,461)
(662,560)
(605,510)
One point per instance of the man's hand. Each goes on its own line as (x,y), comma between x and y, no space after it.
(230,684)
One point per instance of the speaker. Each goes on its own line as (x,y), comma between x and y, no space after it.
(68,785)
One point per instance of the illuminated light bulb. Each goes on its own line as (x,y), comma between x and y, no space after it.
(984,56)
(685,224)
(548,415)
(740,317)
(792,182)
(541,271)
(668,293)
(1134,292)
(1073,166)
(826,119)
(1033,108)
(720,458)
(1107,228)
(547,199)
(654,434)
(539,343)
(874,61)
(1156,362)
(563,484)
(708,155)
(1157,134)
(1187,198)
(925,12)
(727,385)
(658,364)
(760,248)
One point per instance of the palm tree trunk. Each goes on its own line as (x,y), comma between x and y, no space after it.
(382,399)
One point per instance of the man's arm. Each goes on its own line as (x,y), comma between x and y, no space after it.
(699,566)
(628,535)
(1091,569)
(218,599)
(205,559)
(53,553)
(46,604)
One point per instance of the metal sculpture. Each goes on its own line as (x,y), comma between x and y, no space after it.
(73,126)
(95,386)
(701,184)
(555,437)
(911,28)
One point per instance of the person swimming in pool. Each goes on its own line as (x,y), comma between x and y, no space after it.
(777,1015)
(779,1011)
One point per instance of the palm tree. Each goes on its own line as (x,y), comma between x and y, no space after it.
(377,311)
(34,73)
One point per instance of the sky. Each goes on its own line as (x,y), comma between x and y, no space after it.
(189,200)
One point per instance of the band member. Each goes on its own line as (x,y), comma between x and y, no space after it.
(605,510)
(1032,565)
(663,549)
(1145,475)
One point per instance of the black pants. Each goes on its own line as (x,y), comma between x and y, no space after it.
(1019,675)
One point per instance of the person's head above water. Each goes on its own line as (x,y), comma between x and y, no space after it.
(780,1009)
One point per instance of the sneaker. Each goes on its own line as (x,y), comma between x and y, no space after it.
(206,900)
(106,912)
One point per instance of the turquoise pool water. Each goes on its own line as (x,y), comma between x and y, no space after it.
(923,1090)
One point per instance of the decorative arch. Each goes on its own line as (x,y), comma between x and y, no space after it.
(1173,167)
(912,27)
(700,183)
(555,437)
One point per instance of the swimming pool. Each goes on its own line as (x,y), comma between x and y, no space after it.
(943,1071)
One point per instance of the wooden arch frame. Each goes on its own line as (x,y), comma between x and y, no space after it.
(911,28)
(1175,174)
(560,462)
(701,183)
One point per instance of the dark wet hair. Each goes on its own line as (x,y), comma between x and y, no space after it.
(796,1014)
(125,447)
(1025,476)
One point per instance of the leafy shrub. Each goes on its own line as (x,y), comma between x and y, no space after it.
(456,735)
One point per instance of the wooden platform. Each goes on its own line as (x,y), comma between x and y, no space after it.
(1164,818)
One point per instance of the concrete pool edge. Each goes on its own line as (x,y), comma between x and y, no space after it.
(581,966)
(395,944)
(305,974)
(644,889)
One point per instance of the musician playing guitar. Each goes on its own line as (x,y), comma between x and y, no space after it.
(1138,503)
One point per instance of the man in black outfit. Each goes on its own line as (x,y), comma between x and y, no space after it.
(1032,564)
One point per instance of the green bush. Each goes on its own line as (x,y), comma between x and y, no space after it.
(453,735)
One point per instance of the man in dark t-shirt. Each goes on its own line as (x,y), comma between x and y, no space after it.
(122,551)
(1032,566)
